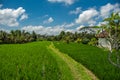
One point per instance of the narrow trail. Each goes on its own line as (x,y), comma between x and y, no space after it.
(78,71)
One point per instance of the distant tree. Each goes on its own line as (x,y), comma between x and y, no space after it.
(78,40)
(67,39)
(17,36)
(75,36)
(85,40)
(61,35)
(4,37)
(34,36)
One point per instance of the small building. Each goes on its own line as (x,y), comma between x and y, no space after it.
(102,40)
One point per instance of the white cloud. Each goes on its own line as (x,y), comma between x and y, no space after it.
(66,2)
(49,20)
(91,22)
(1,5)
(69,25)
(78,28)
(101,23)
(92,16)
(70,30)
(87,16)
(76,11)
(24,16)
(106,10)
(10,17)
(50,30)
(54,30)
(90,25)
(1,29)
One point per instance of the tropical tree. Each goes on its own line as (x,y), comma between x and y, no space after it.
(4,37)
(34,36)
(61,35)
(113,30)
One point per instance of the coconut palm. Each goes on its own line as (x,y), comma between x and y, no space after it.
(4,36)
(113,30)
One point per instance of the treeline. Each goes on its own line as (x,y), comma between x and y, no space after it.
(18,36)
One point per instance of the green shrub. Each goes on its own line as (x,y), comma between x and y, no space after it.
(78,40)
(93,42)
(85,41)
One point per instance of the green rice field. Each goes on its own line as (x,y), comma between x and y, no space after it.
(39,61)
(55,61)
(95,59)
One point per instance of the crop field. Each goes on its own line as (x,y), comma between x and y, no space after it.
(55,61)
(39,61)
(95,59)
(27,62)
(30,61)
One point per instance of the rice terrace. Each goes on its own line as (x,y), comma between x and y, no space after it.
(60,40)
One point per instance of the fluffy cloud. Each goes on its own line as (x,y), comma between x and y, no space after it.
(10,17)
(24,16)
(76,11)
(92,16)
(67,2)
(106,10)
(2,29)
(44,30)
(69,25)
(49,20)
(102,23)
(50,30)
(78,28)
(87,16)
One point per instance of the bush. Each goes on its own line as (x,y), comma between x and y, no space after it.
(93,42)
(85,41)
(78,40)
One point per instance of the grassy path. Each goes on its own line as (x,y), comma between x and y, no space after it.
(79,72)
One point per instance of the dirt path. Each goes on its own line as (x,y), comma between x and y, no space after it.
(79,72)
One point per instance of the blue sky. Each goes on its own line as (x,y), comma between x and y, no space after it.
(53,16)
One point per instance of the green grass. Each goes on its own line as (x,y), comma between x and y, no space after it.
(35,61)
(62,66)
(70,67)
(93,58)
(31,61)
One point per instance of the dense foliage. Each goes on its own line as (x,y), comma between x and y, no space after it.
(17,36)
(93,58)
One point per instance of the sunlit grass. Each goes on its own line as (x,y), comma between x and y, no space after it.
(93,58)
(30,61)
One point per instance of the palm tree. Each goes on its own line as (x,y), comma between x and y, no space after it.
(4,37)
(113,28)
(34,36)
(12,36)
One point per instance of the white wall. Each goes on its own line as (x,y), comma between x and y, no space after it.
(103,42)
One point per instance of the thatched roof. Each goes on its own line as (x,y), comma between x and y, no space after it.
(103,34)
